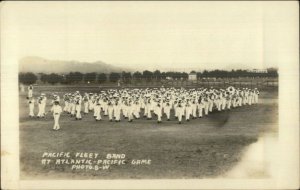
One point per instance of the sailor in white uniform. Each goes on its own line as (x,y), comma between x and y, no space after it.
(158,111)
(78,108)
(110,109)
(129,110)
(167,109)
(86,103)
(256,94)
(97,111)
(117,111)
(43,104)
(40,106)
(188,110)
(180,111)
(56,109)
(136,109)
(30,91)
(194,108)
(31,106)
(200,106)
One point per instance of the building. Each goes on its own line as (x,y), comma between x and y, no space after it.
(193,75)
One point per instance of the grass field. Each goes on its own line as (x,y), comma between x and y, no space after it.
(201,148)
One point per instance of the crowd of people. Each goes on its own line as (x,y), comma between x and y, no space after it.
(130,104)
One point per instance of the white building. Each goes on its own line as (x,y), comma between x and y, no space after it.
(193,75)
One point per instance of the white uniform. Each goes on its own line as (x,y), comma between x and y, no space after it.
(30,91)
(105,107)
(245,98)
(66,105)
(136,110)
(175,109)
(206,106)
(56,109)
(78,109)
(110,111)
(228,101)
(239,100)
(97,112)
(91,104)
(40,106)
(180,112)
(73,108)
(86,104)
(188,111)
(31,107)
(129,112)
(223,101)
(124,109)
(148,110)
(194,109)
(234,101)
(167,110)
(201,107)
(256,93)
(158,111)
(44,101)
(219,102)
(210,104)
(117,112)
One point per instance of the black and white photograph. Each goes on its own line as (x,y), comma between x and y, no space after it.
(150,90)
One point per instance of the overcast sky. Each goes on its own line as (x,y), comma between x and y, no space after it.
(204,35)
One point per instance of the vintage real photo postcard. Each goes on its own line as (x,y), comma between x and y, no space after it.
(150,95)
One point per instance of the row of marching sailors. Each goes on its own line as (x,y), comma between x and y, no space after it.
(188,103)
(183,106)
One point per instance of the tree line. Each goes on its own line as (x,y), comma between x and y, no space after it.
(78,77)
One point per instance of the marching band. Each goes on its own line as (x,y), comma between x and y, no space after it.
(134,103)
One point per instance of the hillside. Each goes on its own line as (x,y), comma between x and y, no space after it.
(38,64)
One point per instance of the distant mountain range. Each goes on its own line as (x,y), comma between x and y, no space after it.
(41,65)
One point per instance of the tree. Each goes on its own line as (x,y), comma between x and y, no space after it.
(90,77)
(157,75)
(272,72)
(44,77)
(126,76)
(137,75)
(199,75)
(205,74)
(27,78)
(184,75)
(147,75)
(176,75)
(163,75)
(102,78)
(170,74)
(114,77)
(54,78)
(74,77)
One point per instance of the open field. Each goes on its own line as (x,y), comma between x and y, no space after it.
(201,148)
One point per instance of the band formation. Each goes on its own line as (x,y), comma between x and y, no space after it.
(136,103)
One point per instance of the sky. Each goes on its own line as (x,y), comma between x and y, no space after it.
(153,35)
